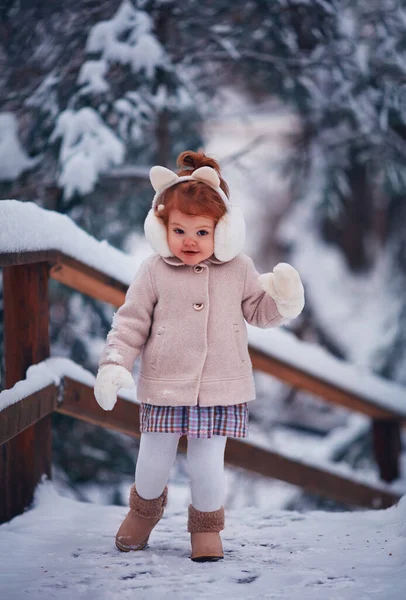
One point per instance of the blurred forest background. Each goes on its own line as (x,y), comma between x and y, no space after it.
(303,102)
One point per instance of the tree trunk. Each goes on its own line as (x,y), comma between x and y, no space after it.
(163,141)
(352,230)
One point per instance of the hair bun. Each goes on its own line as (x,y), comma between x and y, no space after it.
(195,160)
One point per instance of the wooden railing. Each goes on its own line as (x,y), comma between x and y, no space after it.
(25,427)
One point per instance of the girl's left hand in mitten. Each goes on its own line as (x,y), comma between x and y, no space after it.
(286,288)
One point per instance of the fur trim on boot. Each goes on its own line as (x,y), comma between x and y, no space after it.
(204,528)
(136,528)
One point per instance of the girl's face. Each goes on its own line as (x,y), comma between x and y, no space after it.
(190,237)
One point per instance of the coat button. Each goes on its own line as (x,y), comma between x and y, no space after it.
(198,306)
(198,269)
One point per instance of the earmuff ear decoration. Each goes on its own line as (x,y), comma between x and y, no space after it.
(161,178)
(207,175)
(229,234)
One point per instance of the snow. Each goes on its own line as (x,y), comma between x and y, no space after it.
(147,54)
(289,447)
(64,367)
(315,360)
(366,308)
(30,228)
(51,371)
(134,111)
(250,144)
(89,148)
(92,72)
(141,49)
(13,159)
(63,549)
(114,356)
(37,378)
(45,373)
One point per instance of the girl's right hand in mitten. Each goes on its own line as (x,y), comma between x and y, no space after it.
(109,380)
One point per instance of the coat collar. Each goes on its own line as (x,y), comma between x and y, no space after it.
(176,262)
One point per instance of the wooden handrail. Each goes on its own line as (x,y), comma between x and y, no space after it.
(16,418)
(79,402)
(92,282)
(320,386)
(75,399)
(73,273)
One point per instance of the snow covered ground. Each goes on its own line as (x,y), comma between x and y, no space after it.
(63,549)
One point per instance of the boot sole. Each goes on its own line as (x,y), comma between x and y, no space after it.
(207,558)
(124,548)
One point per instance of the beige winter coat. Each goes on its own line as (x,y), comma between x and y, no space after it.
(188,322)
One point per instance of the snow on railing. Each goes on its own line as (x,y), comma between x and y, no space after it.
(43,374)
(315,360)
(28,228)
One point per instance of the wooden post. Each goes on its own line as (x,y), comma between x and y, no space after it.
(387,445)
(25,458)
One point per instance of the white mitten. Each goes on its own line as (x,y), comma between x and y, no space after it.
(286,288)
(109,380)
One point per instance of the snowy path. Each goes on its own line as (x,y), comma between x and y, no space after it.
(63,549)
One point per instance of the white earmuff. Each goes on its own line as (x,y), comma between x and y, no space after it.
(155,232)
(229,235)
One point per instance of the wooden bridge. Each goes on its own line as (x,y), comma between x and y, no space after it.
(25,425)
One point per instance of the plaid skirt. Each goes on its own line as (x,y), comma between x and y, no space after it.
(195,421)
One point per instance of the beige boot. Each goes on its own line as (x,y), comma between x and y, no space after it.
(144,514)
(205,528)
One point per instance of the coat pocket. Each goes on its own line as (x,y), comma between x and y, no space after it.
(238,339)
(157,347)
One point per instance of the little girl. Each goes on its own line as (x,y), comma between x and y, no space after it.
(185,313)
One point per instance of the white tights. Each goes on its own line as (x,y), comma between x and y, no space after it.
(205,460)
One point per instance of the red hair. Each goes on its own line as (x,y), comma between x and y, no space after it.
(193,197)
